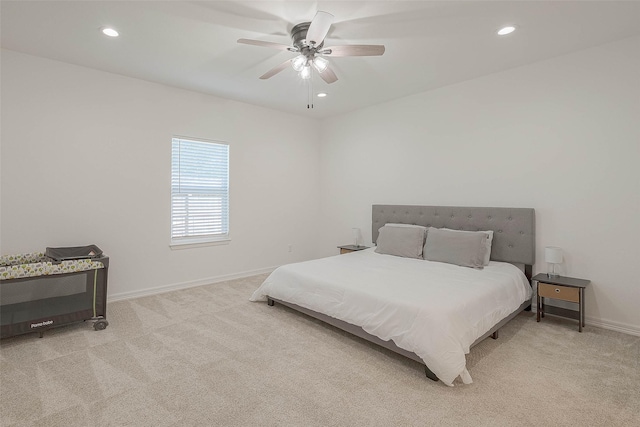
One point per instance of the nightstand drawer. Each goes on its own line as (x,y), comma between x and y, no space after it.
(564,293)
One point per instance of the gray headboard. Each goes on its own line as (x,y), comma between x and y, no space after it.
(514,229)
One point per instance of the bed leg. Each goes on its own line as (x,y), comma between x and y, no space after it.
(430,374)
(270,302)
(495,335)
(528,308)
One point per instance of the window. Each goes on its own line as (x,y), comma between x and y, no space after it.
(199,191)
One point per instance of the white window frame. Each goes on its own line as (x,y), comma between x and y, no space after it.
(198,235)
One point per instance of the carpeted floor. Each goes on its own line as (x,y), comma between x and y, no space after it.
(206,356)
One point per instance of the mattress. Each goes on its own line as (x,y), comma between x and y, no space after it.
(432,309)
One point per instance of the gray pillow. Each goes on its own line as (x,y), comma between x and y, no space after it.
(401,241)
(464,248)
(487,243)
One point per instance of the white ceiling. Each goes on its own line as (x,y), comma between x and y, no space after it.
(192,45)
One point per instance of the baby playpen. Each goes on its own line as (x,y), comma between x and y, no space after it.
(39,291)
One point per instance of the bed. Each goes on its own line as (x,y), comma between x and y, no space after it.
(430,311)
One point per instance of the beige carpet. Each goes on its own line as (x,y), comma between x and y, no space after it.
(207,356)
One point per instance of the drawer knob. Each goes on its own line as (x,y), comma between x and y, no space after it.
(557,290)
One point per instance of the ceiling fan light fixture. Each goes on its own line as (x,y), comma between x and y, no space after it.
(320,63)
(299,62)
(308,40)
(305,73)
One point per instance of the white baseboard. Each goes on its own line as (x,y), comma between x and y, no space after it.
(185,285)
(613,326)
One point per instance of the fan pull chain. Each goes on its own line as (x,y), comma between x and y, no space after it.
(310,94)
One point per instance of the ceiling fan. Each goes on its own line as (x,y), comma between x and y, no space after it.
(308,41)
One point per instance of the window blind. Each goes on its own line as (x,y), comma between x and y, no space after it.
(199,191)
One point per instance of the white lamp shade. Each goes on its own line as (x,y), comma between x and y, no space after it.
(553,255)
(305,73)
(298,62)
(320,64)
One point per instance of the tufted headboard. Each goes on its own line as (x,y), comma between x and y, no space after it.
(514,229)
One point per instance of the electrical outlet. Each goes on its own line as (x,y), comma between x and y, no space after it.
(290,248)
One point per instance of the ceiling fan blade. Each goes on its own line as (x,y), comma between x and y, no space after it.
(319,28)
(354,50)
(329,76)
(265,44)
(275,70)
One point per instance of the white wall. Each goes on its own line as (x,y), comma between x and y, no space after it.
(86,159)
(561,136)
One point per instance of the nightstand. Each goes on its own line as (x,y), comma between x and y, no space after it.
(345,249)
(561,288)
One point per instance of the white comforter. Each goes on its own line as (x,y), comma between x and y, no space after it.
(433,309)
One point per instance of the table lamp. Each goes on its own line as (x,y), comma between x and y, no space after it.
(553,256)
(356,236)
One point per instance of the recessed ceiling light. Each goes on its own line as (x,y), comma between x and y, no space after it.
(109,32)
(506,30)
(321,95)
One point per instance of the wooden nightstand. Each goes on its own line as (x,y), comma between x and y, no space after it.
(561,288)
(345,249)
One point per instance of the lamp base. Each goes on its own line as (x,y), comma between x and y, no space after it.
(552,275)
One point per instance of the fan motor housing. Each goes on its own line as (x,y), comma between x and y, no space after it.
(299,36)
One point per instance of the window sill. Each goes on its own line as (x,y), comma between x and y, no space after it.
(198,244)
